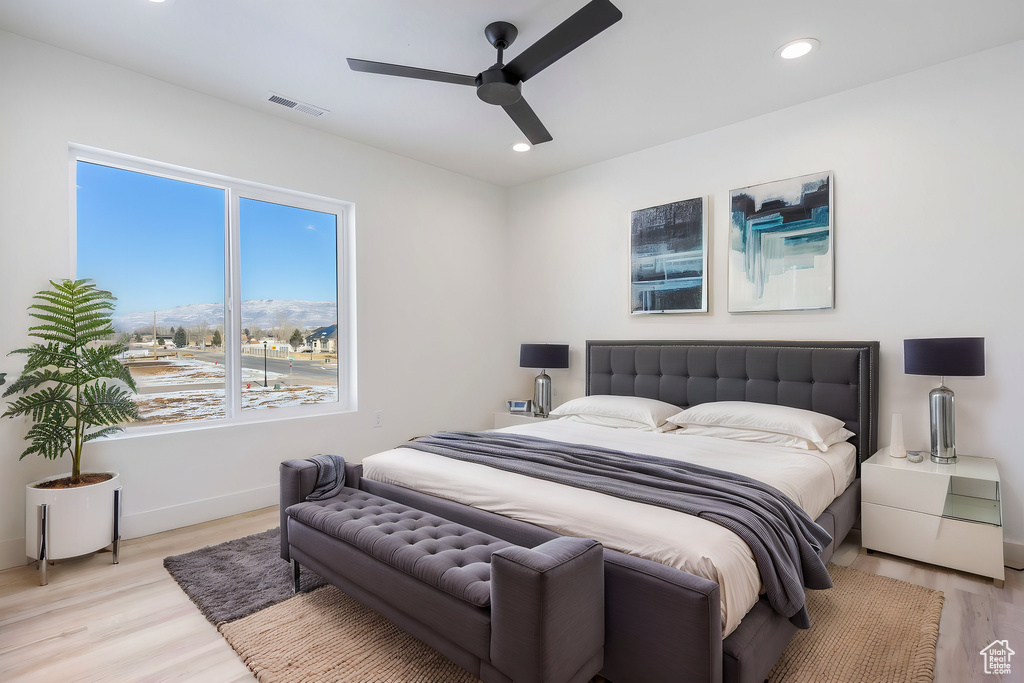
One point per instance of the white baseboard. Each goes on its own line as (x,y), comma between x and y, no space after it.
(197,511)
(12,552)
(1013,555)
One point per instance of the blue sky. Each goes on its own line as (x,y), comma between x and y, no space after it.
(158,243)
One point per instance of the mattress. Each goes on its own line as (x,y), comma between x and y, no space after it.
(812,479)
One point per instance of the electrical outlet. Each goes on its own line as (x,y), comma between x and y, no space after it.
(378,418)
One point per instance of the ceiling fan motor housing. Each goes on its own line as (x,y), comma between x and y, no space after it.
(494,86)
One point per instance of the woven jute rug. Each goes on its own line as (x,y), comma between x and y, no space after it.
(864,628)
(327,636)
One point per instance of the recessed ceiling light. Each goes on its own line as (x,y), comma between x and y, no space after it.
(521,147)
(797,48)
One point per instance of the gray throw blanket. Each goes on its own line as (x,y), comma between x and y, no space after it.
(785,542)
(330,476)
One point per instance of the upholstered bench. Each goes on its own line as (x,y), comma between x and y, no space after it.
(502,611)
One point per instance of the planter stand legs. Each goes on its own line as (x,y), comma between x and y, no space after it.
(44,521)
(44,527)
(117,524)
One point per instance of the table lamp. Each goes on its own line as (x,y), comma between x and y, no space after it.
(543,356)
(945,357)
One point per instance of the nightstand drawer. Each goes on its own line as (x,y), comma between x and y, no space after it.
(908,489)
(968,546)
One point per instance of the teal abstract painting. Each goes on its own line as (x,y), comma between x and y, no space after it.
(780,245)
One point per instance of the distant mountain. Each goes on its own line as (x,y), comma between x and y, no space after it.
(263,313)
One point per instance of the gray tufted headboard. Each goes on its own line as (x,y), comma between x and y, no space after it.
(836,378)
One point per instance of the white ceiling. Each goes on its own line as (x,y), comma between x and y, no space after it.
(667,70)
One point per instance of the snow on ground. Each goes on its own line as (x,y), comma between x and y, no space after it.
(180,406)
(201,404)
(187,371)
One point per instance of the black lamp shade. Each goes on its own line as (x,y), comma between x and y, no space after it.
(945,357)
(544,356)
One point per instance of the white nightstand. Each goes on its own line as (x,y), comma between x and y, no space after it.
(513,419)
(949,515)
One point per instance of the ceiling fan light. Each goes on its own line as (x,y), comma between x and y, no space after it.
(797,48)
(521,147)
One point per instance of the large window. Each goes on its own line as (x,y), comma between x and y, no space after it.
(232,297)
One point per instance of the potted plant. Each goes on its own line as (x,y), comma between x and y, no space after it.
(70,399)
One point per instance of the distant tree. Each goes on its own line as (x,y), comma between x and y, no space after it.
(138,336)
(281,328)
(246,332)
(216,341)
(296,339)
(179,337)
(160,341)
(197,334)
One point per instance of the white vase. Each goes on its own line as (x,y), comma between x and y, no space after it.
(896,447)
(80,520)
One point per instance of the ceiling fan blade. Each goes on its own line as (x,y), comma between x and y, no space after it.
(410,72)
(594,17)
(523,116)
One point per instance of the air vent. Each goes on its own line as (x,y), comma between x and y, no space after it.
(310,109)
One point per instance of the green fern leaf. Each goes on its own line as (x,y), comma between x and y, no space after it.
(36,378)
(107,404)
(100,433)
(52,403)
(49,440)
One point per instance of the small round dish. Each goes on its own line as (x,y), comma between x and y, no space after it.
(915,456)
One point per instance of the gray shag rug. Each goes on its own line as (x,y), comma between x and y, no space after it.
(245,588)
(234,579)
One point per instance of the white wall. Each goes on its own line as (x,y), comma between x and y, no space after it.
(929,168)
(428,244)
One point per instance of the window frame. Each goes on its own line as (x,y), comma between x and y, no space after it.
(234,190)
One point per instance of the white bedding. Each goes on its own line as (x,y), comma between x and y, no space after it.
(810,478)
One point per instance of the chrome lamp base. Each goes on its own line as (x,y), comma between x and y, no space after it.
(542,395)
(943,430)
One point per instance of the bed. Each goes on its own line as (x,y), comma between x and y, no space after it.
(671,613)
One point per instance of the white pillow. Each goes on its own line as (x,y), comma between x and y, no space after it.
(806,424)
(617,423)
(630,412)
(758,436)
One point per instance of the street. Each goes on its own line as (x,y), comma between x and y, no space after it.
(302,372)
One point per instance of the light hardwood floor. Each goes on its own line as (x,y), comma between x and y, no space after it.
(974,612)
(130,622)
(96,621)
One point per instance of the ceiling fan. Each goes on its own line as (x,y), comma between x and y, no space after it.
(502,84)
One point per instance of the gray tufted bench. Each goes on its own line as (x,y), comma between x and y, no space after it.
(502,611)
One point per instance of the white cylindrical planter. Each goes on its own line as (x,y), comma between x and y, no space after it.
(80,519)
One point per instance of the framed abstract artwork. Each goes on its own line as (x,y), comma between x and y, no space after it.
(780,245)
(669,258)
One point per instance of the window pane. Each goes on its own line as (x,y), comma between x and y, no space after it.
(158,245)
(289,292)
